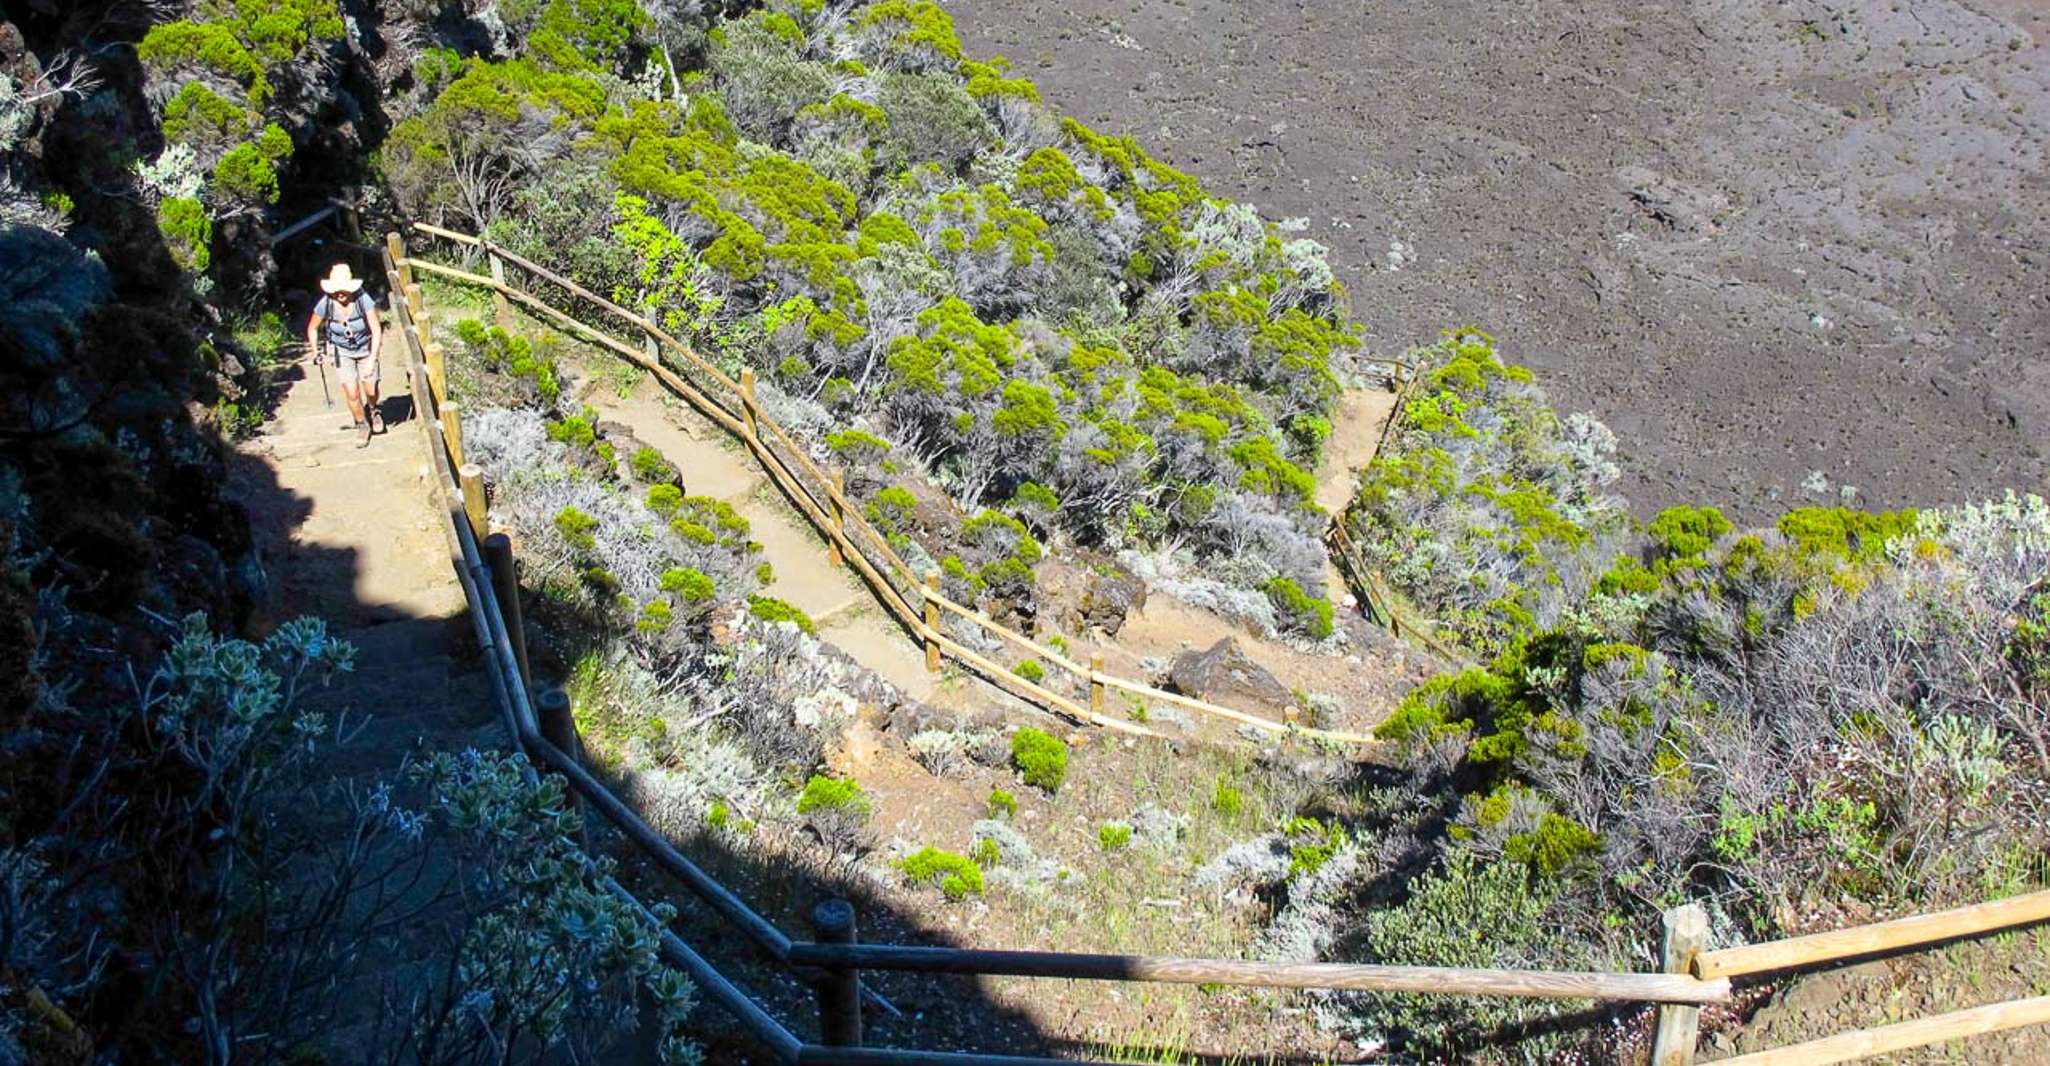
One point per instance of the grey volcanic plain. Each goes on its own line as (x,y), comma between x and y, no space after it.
(1782,248)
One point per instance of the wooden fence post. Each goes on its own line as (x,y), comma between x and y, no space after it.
(558,725)
(837,495)
(839,988)
(558,722)
(437,369)
(932,621)
(471,477)
(395,246)
(747,401)
(500,306)
(1679,1026)
(413,300)
(505,584)
(451,416)
(1096,683)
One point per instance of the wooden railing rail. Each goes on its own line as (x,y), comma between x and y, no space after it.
(1521,984)
(821,498)
(1677,1029)
(1904,1036)
(1840,944)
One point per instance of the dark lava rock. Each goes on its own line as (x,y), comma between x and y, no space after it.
(1224,674)
(1113,594)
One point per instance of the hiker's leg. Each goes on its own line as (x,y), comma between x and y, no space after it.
(345,374)
(366,374)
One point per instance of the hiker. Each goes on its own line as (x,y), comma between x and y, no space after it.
(345,323)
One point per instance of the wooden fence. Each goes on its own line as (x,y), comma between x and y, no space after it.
(834,959)
(911,598)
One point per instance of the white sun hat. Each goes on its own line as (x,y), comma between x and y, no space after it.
(340,280)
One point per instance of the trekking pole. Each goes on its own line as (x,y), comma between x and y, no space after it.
(320,365)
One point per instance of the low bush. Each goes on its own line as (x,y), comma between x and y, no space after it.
(650,468)
(1436,926)
(1041,758)
(771,609)
(1226,798)
(1002,804)
(1030,670)
(840,795)
(1298,610)
(957,876)
(1114,836)
(837,810)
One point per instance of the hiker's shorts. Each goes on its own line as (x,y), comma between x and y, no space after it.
(355,370)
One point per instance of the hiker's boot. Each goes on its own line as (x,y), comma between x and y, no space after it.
(365,442)
(351,427)
(376,420)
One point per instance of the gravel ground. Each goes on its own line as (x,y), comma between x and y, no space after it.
(1782,248)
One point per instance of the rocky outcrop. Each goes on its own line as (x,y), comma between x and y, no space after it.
(1224,674)
(1112,594)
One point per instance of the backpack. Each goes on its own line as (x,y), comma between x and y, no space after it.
(351,335)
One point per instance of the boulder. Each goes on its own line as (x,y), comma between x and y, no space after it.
(1113,593)
(1224,674)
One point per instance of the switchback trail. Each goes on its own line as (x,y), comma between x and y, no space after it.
(713,464)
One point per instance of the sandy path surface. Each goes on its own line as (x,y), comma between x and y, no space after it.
(346,533)
(1355,434)
(1760,238)
(713,464)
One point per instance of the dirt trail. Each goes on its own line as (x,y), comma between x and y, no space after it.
(1355,438)
(349,534)
(713,464)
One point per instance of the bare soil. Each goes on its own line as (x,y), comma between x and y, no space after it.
(1762,239)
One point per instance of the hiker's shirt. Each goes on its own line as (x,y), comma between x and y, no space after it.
(347,328)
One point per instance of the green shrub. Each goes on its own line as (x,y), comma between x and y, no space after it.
(648,465)
(708,521)
(689,584)
(1437,926)
(1030,670)
(1299,610)
(1227,799)
(857,448)
(843,795)
(1041,758)
(1112,836)
(957,876)
(664,500)
(1855,536)
(771,609)
(891,510)
(1312,842)
(1002,804)
(655,617)
(576,528)
(188,233)
(986,853)
(248,172)
(201,118)
(1685,532)
(577,431)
